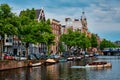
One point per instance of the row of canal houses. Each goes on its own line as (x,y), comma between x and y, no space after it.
(12,45)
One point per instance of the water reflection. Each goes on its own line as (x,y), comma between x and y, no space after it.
(63,71)
(13,74)
(34,73)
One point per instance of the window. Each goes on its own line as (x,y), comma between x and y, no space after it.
(10,40)
(6,40)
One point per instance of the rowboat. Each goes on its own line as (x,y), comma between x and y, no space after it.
(51,61)
(100,64)
(34,64)
(97,65)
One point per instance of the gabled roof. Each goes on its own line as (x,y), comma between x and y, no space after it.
(40,14)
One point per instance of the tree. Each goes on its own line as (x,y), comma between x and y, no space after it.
(32,31)
(76,39)
(8,22)
(49,39)
(45,34)
(27,27)
(107,44)
(61,46)
(94,42)
(68,38)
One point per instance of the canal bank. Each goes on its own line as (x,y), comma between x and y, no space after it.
(63,71)
(11,64)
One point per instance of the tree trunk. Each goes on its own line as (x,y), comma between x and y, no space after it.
(48,47)
(27,45)
(0,49)
(1,46)
(27,53)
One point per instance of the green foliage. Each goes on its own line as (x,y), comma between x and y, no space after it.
(28,13)
(5,11)
(26,32)
(76,39)
(94,42)
(46,33)
(107,44)
(32,31)
(61,46)
(8,21)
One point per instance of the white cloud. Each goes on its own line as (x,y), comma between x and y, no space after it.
(105,27)
(103,16)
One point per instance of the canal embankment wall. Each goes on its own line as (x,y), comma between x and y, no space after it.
(11,64)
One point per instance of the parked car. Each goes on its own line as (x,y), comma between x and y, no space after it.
(31,57)
(54,56)
(44,56)
(8,57)
(20,58)
(65,54)
(38,56)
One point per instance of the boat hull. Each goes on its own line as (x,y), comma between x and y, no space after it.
(51,61)
(34,64)
(99,64)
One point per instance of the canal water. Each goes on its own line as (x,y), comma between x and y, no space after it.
(63,71)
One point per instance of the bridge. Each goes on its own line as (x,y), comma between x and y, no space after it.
(111,51)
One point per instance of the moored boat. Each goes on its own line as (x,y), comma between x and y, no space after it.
(71,58)
(62,60)
(51,61)
(78,58)
(34,64)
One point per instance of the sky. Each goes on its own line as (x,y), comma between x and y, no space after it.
(103,16)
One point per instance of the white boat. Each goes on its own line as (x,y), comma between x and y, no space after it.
(70,58)
(98,65)
(101,64)
(51,61)
(35,64)
(78,67)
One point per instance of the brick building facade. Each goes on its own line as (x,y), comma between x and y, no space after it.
(56,29)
